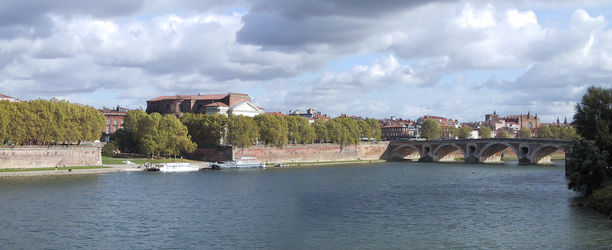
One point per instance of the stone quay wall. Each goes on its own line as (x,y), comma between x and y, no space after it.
(50,156)
(313,152)
(294,153)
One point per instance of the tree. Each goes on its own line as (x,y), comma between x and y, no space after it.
(242,131)
(503,134)
(593,117)
(343,130)
(464,132)
(109,149)
(272,129)
(206,129)
(375,127)
(545,132)
(431,129)
(173,137)
(321,132)
(525,132)
(587,167)
(484,132)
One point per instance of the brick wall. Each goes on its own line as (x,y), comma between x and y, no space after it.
(313,152)
(49,156)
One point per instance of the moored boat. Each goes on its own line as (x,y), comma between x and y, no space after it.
(175,167)
(242,162)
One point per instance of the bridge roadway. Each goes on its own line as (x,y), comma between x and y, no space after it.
(528,151)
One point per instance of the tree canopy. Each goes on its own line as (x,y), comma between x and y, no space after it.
(272,129)
(242,131)
(524,132)
(593,117)
(206,129)
(48,122)
(431,129)
(155,134)
(484,132)
(503,134)
(464,132)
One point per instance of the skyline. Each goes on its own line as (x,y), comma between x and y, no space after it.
(457,59)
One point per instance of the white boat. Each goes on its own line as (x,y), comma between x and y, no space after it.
(242,162)
(176,167)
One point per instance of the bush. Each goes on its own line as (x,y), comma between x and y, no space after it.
(587,167)
(109,149)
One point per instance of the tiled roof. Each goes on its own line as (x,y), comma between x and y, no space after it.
(5,96)
(216,104)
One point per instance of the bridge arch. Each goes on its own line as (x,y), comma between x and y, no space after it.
(491,152)
(543,153)
(447,152)
(406,152)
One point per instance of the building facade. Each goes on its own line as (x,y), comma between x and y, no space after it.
(114,121)
(226,104)
(8,98)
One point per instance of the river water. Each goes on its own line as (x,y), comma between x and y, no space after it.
(397,205)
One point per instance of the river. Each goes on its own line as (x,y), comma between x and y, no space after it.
(397,205)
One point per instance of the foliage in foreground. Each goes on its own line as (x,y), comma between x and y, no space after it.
(587,167)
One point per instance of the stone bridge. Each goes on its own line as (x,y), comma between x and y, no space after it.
(528,151)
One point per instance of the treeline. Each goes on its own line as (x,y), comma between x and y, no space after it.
(276,130)
(43,122)
(168,136)
(151,134)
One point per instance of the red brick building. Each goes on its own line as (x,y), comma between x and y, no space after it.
(214,103)
(114,121)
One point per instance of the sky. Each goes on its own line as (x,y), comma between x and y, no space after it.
(457,59)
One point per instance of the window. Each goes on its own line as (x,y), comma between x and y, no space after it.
(115,122)
(107,121)
(114,129)
(107,130)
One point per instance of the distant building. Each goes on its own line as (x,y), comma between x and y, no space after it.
(8,98)
(443,121)
(512,123)
(393,129)
(114,121)
(310,114)
(226,104)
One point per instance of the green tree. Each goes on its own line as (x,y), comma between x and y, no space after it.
(109,149)
(242,131)
(593,117)
(525,132)
(484,132)
(321,132)
(545,132)
(272,129)
(173,137)
(206,129)
(343,130)
(503,134)
(464,132)
(587,167)
(431,129)
(375,128)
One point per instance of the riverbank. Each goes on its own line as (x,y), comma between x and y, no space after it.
(322,163)
(600,200)
(64,171)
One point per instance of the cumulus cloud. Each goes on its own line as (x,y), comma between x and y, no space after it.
(281,50)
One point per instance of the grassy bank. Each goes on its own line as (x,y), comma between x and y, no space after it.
(601,199)
(49,169)
(313,163)
(118,161)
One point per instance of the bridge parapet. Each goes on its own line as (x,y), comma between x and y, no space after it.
(528,151)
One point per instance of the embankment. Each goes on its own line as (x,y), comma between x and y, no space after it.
(295,153)
(50,156)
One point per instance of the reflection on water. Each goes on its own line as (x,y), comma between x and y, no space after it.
(384,205)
